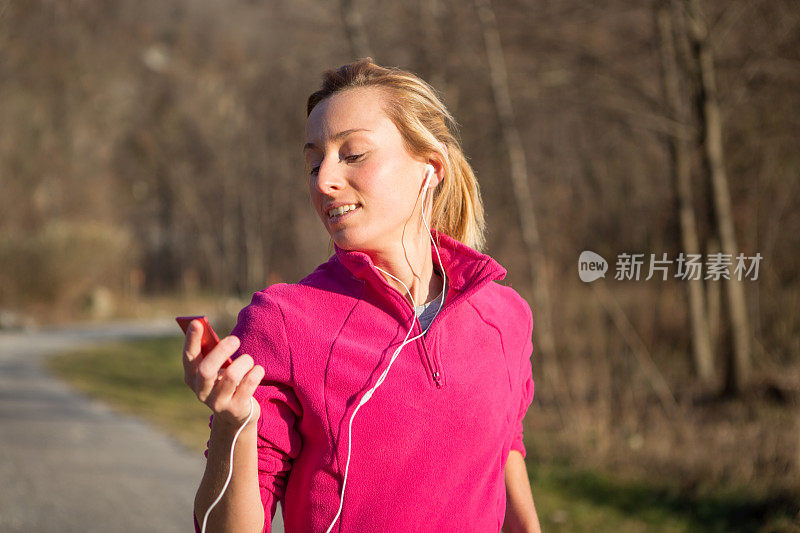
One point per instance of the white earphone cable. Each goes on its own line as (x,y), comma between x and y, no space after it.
(364,398)
(368,394)
(230,469)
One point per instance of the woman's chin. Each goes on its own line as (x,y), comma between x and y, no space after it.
(345,239)
(348,240)
(347,244)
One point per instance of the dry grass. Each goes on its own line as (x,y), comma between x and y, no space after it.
(604,415)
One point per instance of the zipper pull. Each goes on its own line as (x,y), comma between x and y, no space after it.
(436,379)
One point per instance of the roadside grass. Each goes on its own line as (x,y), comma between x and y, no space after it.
(145,378)
(573,499)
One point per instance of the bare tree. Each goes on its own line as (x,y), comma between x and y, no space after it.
(703,355)
(739,367)
(522,191)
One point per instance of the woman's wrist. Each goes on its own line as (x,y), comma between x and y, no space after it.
(225,428)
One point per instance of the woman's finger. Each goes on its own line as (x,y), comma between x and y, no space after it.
(220,396)
(209,367)
(222,351)
(191,350)
(248,385)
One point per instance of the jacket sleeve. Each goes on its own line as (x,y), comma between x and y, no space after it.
(261,330)
(527,386)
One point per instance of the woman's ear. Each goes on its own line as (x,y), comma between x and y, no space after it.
(438,171)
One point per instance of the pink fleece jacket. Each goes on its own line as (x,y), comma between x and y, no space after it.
(429,448)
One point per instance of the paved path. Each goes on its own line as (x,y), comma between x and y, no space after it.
(71,464)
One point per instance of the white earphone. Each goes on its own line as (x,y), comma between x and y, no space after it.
(429,170)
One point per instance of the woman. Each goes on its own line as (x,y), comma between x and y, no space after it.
(405,327)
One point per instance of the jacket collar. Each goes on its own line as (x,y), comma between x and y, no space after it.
(467,269)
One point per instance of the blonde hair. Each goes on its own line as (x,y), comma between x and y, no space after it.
(427,128)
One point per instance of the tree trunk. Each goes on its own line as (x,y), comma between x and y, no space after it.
(739,367)
(703,355)
(543,328)
(713,299)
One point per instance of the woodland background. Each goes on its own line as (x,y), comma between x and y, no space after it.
(151,151)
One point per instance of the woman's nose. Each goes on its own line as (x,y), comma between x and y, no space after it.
(329,177)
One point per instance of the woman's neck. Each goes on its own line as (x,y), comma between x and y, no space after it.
(413,264)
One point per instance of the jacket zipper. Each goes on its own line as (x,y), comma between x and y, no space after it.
(435,370)
(435,373)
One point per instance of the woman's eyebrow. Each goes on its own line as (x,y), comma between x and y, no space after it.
(336,137)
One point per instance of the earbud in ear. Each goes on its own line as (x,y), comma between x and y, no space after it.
(429,170)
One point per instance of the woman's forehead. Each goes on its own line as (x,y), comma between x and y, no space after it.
(351,110)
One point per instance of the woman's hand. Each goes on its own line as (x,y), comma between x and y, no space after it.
(227,392)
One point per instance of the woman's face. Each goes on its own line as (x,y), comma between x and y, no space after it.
(355,157)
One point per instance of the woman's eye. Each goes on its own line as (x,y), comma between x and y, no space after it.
(351,158)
